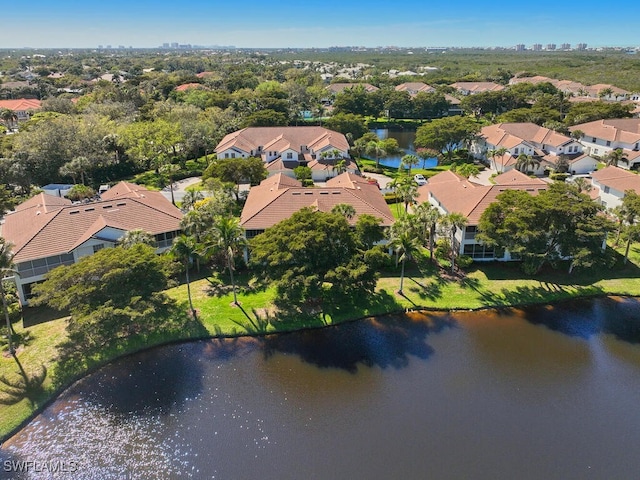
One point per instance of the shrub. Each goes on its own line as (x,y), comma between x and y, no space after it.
(369,169)
(561,177)
(391,198)
(464,261)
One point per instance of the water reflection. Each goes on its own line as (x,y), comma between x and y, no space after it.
(384,343)
(528,394)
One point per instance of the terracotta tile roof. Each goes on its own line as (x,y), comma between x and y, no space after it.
(516,177)
(276,199)
(502,134)
(477,87)
(21,104)
(414,87)
(187,86)
(455,194)
(282,138)
(58,228)
(626,130)
(618,179)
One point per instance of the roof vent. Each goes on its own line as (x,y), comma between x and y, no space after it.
(73,212)
(122,204)
(91,209)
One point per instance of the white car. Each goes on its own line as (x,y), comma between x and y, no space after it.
(419,178)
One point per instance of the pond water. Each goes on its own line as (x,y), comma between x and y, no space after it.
(537,393)
(405,140)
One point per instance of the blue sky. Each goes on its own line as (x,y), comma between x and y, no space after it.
(310,23)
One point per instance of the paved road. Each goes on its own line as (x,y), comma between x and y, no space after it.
(179,188)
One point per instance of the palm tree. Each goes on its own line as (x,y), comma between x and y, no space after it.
(170,170)
(582,184)
(8,117)
(184,249)
(402,237)
(190,198)
(407,191)
(524,161)
(135,237)
(428,217)
(6,267)
(341,166)
(500,152)
(451,223)
(616,156)
(344,209)
(377,149)
(226,236)
(562,164)
(409,161)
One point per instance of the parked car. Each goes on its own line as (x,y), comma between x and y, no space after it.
(419,178)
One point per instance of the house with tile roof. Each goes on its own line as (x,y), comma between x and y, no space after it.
(47,231)
(470,88)
(278,197)
(284,148)
(22,108)
(600,137)
(545,145)
(452,193)
(611,183)
(413,88)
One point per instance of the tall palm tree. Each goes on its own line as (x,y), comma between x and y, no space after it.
(170,170)
(377,149)
(524,161)
(8,117)
(451,223)
(616,156)
(407,191)
(428,217)
(582,184)
(402,238)
(226,236)
(409,161)
(6,267)
(500,152)
(184,249)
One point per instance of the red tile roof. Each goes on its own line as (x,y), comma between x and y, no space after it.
(618,179)
(279,197)
(21,104)
(46,225)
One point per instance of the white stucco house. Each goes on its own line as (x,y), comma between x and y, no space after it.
(602,136)
(545,145)
(284,148)
(47,231)
(611,183)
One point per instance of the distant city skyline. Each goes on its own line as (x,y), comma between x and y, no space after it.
(289,23)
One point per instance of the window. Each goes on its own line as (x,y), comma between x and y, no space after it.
(97,248)
(515,151)
(226,155)
(233,155)
(595,150)
(593,139)
(289,155)
(608,143)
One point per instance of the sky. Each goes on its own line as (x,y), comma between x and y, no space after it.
(310,23)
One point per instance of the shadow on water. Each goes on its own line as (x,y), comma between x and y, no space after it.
(385,342)
(585,318)
(152,382)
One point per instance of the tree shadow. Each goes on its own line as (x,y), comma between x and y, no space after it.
(618,316)
(386,342)
(27,385)
(428,291)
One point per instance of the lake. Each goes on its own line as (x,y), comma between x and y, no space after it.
(405,140)
(549,392)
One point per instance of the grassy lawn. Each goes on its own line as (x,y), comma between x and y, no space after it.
(425,286)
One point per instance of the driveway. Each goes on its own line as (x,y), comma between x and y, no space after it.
(179,188)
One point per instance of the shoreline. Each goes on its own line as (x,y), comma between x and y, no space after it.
(5,436)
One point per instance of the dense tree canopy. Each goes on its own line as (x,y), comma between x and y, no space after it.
(446,134)
(558,223)
(312,258)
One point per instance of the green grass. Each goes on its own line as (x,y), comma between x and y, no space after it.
(425,287)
